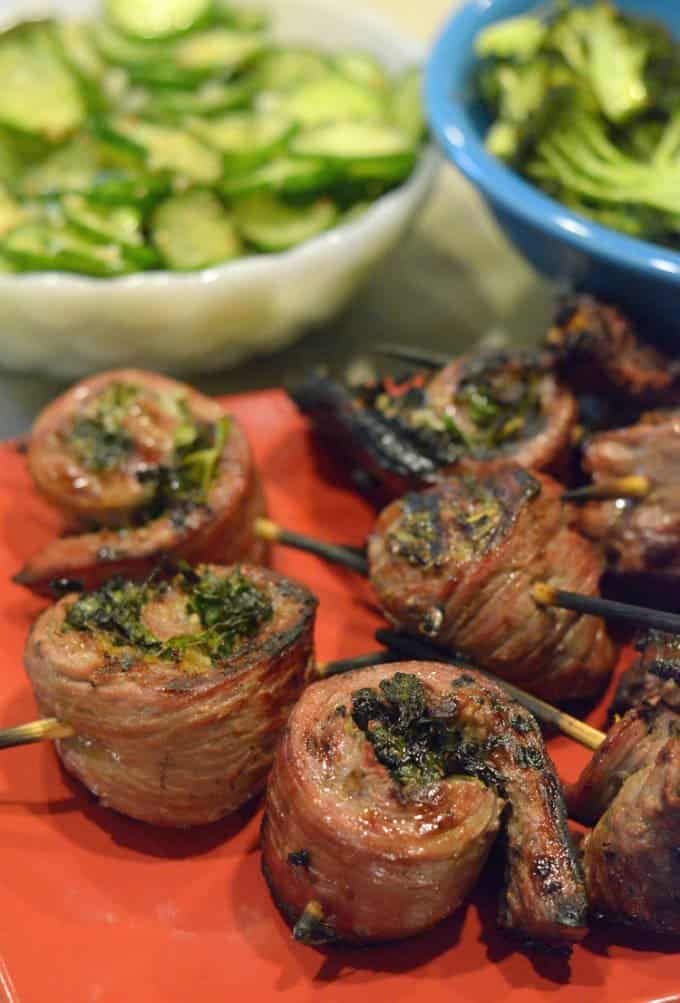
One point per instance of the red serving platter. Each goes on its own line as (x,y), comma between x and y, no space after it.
(98,908)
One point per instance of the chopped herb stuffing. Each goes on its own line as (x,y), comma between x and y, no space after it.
(230,610)
(416,747)
(99,438)
(187,481)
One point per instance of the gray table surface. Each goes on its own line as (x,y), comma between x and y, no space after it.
(453,280)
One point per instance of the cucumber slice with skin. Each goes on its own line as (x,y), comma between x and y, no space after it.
(194,231)
(332,98)
(269,224)
(352,142)
(157,19)
(110,224)
(244,139)
(71,168)
(282,69)
(219,50)
(213,98)
(285,175)
(76,46)
(240,20)
(39,95)
(41,247)
(11,213)
(121,51)
(362,68)
(165,149)
(406,105)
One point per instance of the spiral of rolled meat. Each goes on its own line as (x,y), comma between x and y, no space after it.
(597,352)
(456,564)
(477,413)
(143,468)
(654,677)
(638,536)
(387,791)
(177,691)
(630,791)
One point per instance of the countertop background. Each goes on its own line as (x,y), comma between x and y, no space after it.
(453,280)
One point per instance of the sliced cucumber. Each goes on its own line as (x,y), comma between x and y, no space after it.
(163,148)
(406,105)
(40,247)
(244,139)
(362,69)
(352,142)
(213,98)
(157,19)
(271,225)
(12,213)
(240,20)
(77,48)
(194,231)
(121,51)
(71,168)
(285,175)
(39,95)
(10,163)
(330,99)
(281,69)
(110,224)
(218,50)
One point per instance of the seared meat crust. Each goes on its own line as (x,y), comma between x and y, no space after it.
(654,677)
(640,536)
(456,563)
(162,738)
(384,860)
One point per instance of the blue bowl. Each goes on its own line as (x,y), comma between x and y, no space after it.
(643,278)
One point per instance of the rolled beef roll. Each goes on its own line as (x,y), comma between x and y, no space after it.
(388,789)
(638,536)
(177,691)
(477,413)
(456,563)
(142,467)
(631,792)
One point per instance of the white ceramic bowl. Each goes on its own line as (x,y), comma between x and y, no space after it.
(68,325)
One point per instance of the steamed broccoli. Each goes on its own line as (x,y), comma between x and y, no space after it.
(586,102)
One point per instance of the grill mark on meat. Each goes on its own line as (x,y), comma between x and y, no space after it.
(481,592)
(393,451)
(329,794)
(156,742)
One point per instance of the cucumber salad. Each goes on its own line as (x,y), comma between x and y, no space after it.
(174,134)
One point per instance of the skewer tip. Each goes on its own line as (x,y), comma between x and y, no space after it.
(635,486)
(266,529)
(311,927)
(544,594)
(48,728)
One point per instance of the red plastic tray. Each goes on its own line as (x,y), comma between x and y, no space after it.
(97,908)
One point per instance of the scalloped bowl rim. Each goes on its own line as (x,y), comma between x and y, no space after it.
(242,268)
(459,137)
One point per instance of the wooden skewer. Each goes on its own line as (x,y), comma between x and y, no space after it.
(542,593)
(35,731)
(342,665)
(547,595)
(311,927)
(578,730)
(634,486)
(421,356)
(346,556)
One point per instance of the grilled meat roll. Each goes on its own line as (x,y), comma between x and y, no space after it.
(478,412)
(387,791)
(177,690)
(598,353)
(142,467)
(631,789)
(638,536)
(654,677)
(456,562)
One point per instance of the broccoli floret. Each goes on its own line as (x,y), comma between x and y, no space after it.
(606,51)
(514,38)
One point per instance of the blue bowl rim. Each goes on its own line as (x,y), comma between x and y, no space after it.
(458,137)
